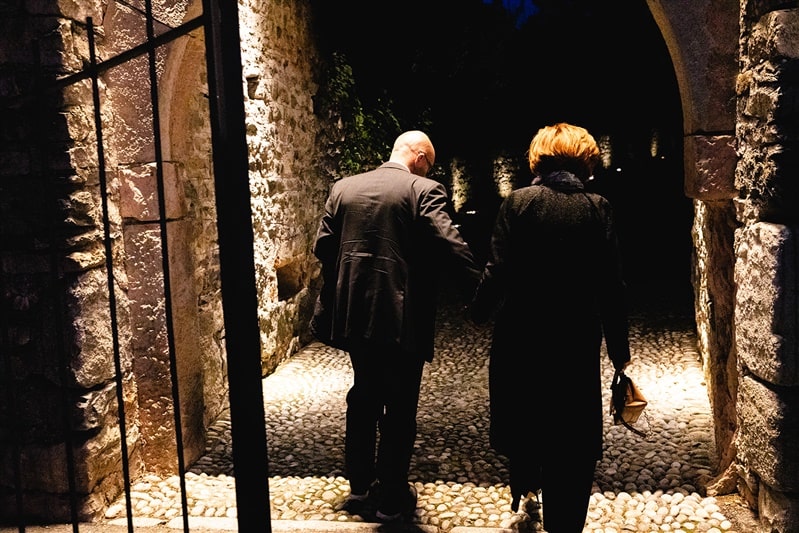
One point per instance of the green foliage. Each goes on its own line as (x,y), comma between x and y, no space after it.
(354,138)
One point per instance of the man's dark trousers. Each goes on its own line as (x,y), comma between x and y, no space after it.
(384,396)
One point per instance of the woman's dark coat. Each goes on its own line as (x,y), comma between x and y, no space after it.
(553,276)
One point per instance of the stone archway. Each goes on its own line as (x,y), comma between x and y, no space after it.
(188,141)
(166,333)
(702,39)
(730,58)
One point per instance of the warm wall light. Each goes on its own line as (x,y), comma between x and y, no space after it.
(654,143)
(460,185)
(504,169)
(605,151)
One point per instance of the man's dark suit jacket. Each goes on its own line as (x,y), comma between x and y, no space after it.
(384,239)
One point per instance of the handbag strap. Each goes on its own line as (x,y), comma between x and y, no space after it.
(633,429)
(621,379)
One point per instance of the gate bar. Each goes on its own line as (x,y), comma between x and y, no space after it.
(236,259)
(165,267)
(31,96)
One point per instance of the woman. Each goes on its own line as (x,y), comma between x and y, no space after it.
(553,284)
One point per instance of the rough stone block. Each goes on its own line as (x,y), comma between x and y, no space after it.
(712,176)
(44,467)
(765,440)
(139,193)
(93,408)
(766,307)
(92,362)
(782,27)
(779,511)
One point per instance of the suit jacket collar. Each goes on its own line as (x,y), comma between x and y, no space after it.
(393,164)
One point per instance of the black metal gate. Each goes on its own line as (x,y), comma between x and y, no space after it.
(235,234)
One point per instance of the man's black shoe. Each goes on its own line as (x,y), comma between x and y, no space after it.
(354,504)
(394,507)
(358,503)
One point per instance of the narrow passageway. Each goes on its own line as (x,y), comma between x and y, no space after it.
(460,480)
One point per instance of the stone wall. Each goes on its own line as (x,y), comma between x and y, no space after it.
(58,344)
(702,38)
(68,323)
(280,66)
(766,308)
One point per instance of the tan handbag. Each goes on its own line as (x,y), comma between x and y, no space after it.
(626,402)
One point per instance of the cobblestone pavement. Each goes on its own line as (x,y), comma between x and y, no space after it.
(642,484)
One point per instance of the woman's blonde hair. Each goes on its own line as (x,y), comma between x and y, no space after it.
(563,146)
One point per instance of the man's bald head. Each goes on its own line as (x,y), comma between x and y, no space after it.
(414,150)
